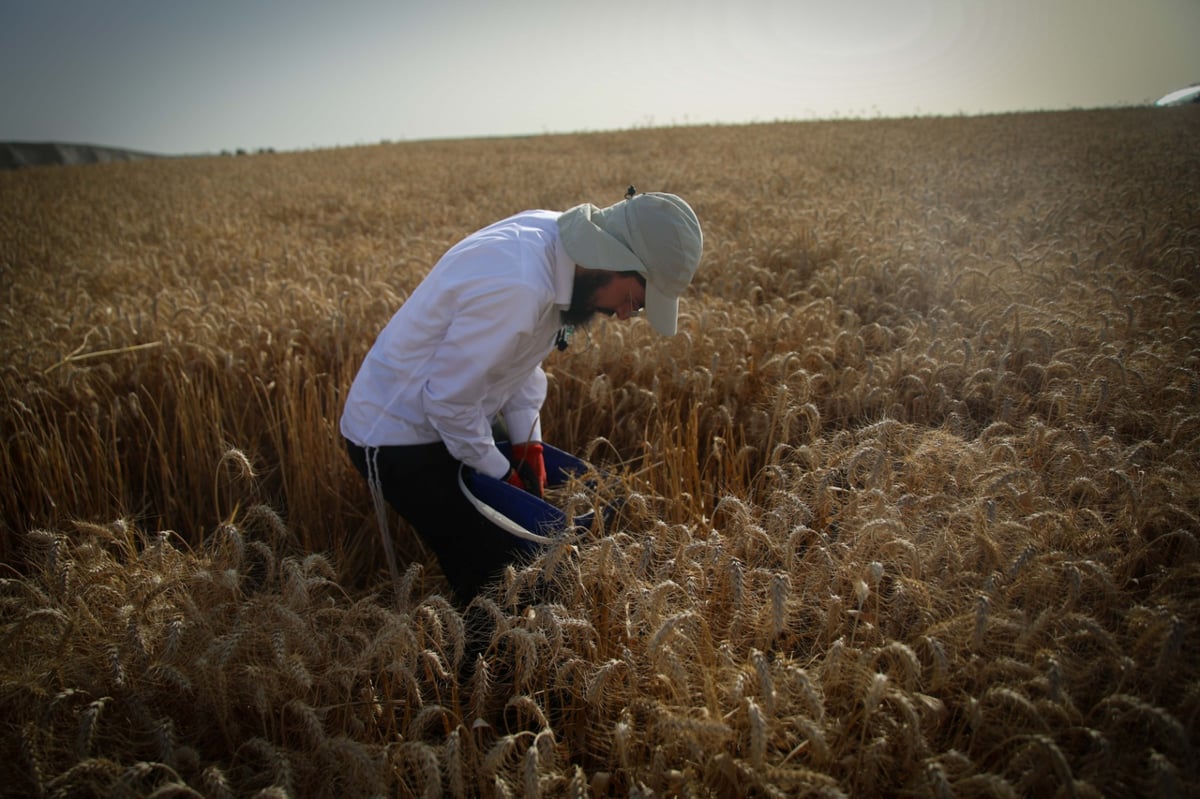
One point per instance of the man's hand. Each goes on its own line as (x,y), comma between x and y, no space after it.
(529,468)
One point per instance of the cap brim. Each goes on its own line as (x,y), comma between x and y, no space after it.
(662,310)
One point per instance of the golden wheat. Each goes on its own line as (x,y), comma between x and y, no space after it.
(909,506)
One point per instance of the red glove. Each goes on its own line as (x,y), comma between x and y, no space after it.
(529,468)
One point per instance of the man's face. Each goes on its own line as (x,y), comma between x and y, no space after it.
(610,293)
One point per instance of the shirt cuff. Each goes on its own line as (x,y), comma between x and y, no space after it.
(494,464)
(523,425)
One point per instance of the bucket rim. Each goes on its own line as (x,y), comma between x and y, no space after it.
(497,518)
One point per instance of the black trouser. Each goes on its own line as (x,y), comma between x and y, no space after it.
(421,483)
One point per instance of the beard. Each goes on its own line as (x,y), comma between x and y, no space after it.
(581,311)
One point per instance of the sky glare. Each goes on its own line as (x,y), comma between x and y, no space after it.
(174,76)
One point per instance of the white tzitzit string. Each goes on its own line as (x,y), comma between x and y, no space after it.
(381,517)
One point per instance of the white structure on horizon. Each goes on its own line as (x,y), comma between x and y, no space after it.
(1181,96)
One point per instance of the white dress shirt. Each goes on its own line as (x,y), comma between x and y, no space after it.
(467,346)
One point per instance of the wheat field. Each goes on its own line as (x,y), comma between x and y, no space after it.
(910,506)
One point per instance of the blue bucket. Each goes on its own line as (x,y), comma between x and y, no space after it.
(518,512)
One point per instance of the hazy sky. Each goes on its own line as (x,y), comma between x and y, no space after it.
(192,76)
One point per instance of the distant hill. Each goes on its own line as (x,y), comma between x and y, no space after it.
(16,154)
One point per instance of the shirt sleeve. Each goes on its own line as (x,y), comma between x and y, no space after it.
(522,413)
(492,322)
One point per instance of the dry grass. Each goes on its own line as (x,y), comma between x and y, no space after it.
(911,505)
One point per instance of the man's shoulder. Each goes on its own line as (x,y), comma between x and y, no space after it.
(518,251)
(520,236)
(526,222)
